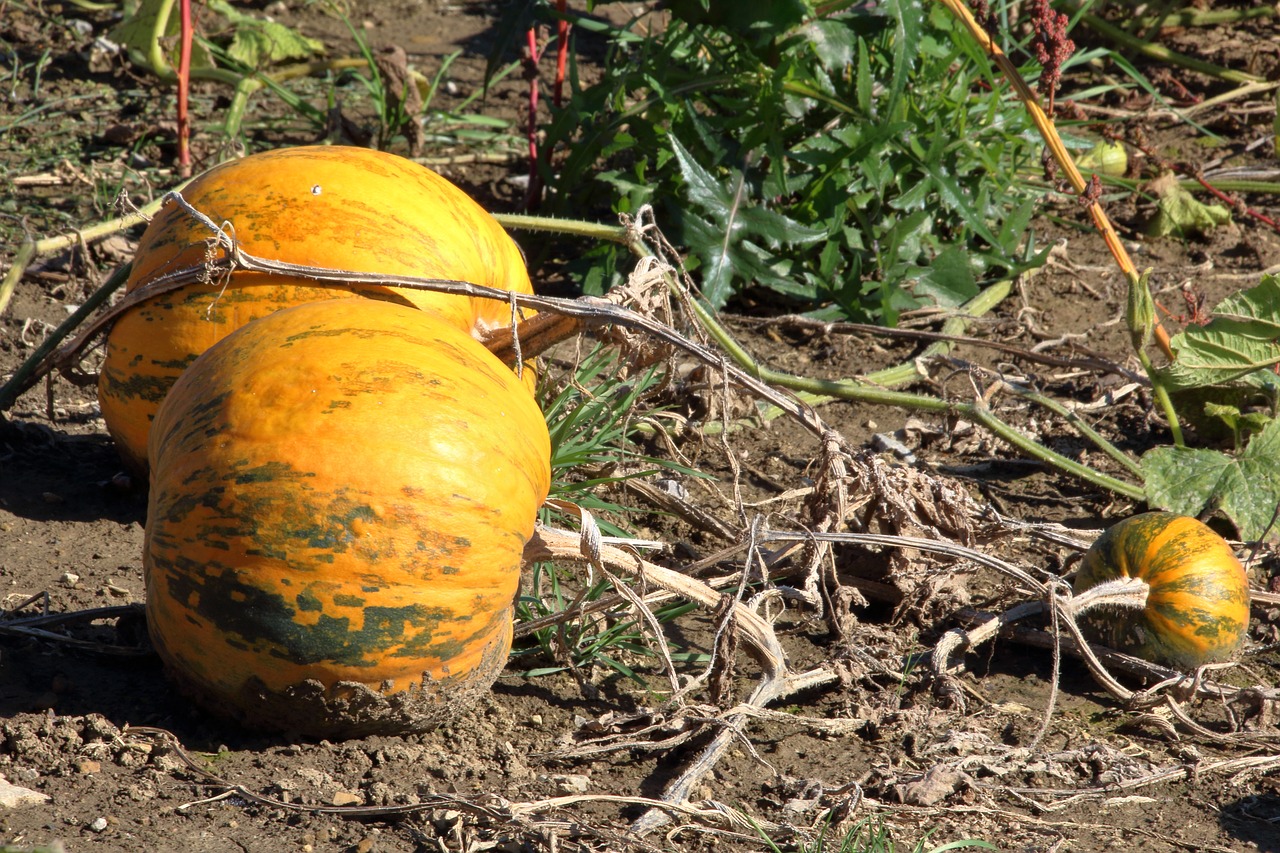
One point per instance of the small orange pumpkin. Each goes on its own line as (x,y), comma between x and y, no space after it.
(334,207)
(340,497)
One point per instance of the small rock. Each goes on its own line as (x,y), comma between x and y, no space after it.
(69,579)
(88,765)
(936,784)
(535,719)
(345,798)
(571,783)
(673,487)
(98,825)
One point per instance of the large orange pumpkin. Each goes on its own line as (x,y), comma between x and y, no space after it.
(1197,608)
(335,207)
(340,497)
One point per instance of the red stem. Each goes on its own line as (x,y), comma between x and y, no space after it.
(1236,203)
(562,49)
(534,192)
(184,86)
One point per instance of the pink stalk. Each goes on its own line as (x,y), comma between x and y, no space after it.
(534,192)
(184,85)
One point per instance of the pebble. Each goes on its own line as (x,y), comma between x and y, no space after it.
(69,579)
(98,825)
(345,798)
(570,783)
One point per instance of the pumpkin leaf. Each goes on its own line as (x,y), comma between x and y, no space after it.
(1243,337)
(1240,423)
(1246,488)
(138,34)
(1179,213)
(258,42)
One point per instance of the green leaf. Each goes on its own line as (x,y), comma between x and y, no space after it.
(728,236)
(258,43)
(268,43)
(908,17)
(1180,214)
(1242,337)
(1105,158)
(948,280)
(831,43)
(764,19)
(1229,415)
(137,31)
(1245,488)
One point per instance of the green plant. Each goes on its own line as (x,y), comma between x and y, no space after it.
(393,102)
(870,835)
(857,156)
(592,425)
(593,431)
(1223,381)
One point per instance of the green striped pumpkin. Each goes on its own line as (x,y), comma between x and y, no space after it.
(1198,606)
(340,497)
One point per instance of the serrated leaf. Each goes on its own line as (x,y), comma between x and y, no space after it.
(908,20)
(1246,488)
(1242,337)
(732,237)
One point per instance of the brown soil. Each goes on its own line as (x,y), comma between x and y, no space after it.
(1012,751)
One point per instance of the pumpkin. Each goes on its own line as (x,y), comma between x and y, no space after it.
(340,497)
(1197,609)
(335,207)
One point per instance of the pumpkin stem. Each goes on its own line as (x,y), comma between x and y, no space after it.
(1129,593)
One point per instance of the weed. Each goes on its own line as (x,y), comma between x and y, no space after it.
(592,429)
(870,835)
(858,160)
